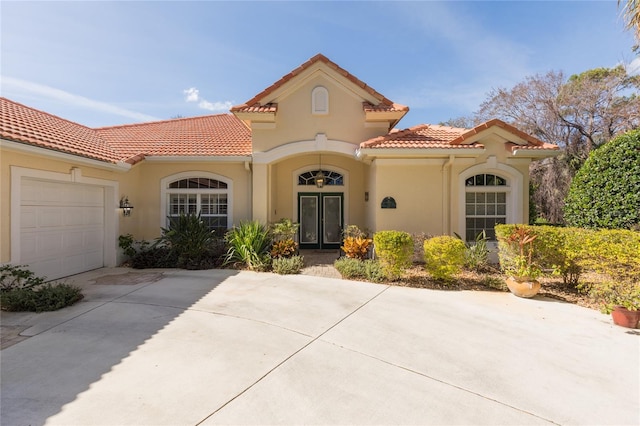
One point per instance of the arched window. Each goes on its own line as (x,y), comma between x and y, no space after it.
(330,178)
(320,101)
(485,204)
(207,195)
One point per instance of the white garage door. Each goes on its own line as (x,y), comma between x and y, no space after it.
(61,227)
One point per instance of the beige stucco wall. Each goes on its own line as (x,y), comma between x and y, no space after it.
(295,122)
(147,176)
(430,192)
(417,187)
(141,184)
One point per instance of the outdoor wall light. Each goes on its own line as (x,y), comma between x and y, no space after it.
(320,175)
(319,179)
(125,206)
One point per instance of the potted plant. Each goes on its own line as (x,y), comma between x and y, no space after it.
(621,299)
(613,254)
(521,270)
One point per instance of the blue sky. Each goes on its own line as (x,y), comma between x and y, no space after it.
(109,63)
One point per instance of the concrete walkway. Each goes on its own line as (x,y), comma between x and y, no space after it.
(227,347)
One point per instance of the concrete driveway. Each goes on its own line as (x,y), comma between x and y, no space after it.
(229,347)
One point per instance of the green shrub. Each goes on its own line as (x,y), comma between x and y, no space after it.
(287,265)
(249,245)
(22,290)
(614,254)
(48,297)
(18,277)
(394,250)
(190,239)
(373,271)
(444,256)
(558,249)
(126,242)
(350,268)
(605,193)
(476,255)
(155,257)
(284,229)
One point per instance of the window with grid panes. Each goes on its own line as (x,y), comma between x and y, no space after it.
(485,205)
(207,196)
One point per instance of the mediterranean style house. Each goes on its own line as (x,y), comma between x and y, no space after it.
(319,146)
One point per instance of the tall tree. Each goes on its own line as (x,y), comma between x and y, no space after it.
(631,15)
(579,114)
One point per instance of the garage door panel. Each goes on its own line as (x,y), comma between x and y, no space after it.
(50,217)
(61,227)
(94,216)
(49,244)
(29,218)
(73,241)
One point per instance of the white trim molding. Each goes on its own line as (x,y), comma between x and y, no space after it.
(320,143)
(164,190)
(514,190)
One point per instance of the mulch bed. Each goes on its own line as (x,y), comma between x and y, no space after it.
(491,279)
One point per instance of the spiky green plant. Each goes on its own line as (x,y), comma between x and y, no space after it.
(249,245)
(190,238)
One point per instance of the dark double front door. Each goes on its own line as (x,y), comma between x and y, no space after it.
(320,215)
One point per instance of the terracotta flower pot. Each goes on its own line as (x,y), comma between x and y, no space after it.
(523,287)
(625,318)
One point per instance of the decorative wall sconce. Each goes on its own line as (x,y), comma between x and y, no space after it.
(320,175)
(319,179)
(125,206)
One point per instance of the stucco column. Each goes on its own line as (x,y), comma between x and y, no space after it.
(260,201)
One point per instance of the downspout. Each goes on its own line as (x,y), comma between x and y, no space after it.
(247,167)
(446,195)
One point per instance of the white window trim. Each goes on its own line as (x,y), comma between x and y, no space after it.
(165,190)
(319,91)
(513,190)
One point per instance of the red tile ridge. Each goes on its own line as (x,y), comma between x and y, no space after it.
(317,58)
(499,123)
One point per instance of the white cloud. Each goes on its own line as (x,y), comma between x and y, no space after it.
(193,95)
(16,85)
(215,106)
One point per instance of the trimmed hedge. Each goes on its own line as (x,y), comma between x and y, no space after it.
(605,193)
(569,251)
(444,256)
(394,250)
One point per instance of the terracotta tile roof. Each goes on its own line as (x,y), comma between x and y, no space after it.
(268,108)
(255,101)
(369,107)
(23,124)
(421,136)
(533,143)
(427,136)
(210,135)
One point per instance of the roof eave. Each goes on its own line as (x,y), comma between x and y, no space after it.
(198,158)
(535,153)
(63,156)
(368,153)
(258,117)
